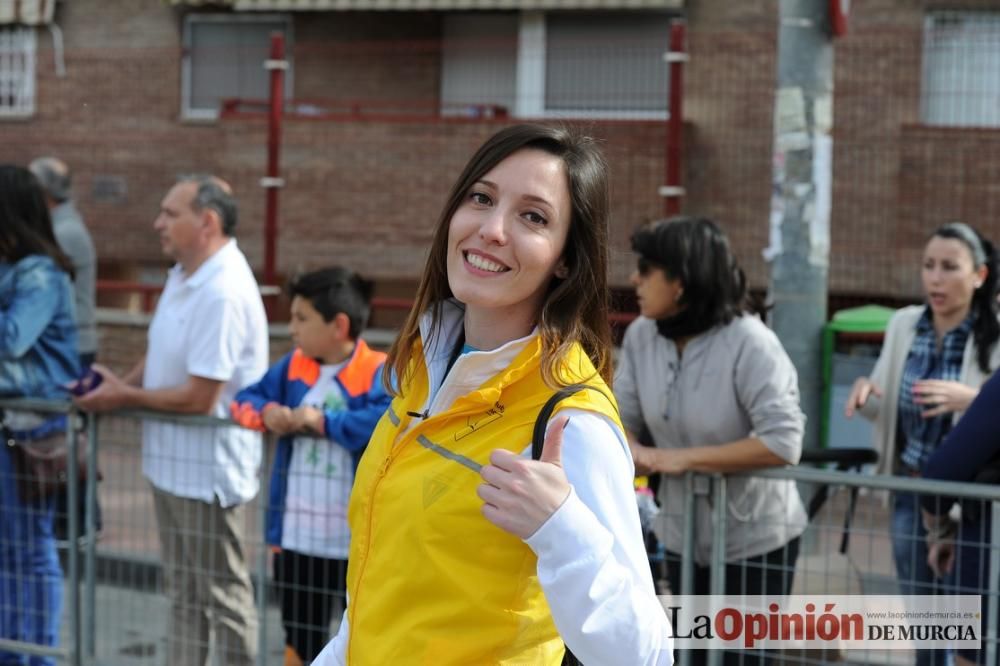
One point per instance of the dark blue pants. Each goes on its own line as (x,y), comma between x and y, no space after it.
(30,576)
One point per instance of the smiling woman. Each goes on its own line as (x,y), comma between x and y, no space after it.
(508,560)
(505,243)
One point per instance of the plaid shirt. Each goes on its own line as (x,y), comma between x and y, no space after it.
(920,436)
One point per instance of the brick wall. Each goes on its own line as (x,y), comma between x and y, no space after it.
(366,194)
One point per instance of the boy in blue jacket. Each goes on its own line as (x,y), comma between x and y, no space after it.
(323,399)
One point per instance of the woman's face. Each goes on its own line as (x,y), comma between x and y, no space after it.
(658,295)
(506,239)
(949,276)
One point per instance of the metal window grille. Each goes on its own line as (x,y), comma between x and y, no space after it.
(17,72)
(224,59)
(607,63)
(961,77)
(579,64)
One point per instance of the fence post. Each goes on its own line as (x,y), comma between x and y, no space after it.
(73,508)
(687,550)
(262,572)
(992,603)
(276,65)
(90,557)
(718,566)
(672,190)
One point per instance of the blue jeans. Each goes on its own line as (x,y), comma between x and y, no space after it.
(909,548)
(30,576)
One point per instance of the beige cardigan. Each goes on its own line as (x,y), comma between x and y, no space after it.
(888,374)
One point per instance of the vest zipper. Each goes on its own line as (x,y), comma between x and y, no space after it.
(382,471)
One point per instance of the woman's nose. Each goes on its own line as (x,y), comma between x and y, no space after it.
(492,228)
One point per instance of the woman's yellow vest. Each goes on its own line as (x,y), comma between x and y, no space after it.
(430,580)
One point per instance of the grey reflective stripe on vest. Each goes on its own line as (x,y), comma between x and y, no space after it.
(450,455)
(438,449)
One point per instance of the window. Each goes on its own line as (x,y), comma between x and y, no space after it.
(961,73)
(560,64)
(17,72)
(479,63)
(606,63)
(224,59)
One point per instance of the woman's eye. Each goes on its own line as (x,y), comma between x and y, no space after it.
(480,198)
(536,218)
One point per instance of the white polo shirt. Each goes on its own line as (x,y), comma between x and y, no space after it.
(210,324)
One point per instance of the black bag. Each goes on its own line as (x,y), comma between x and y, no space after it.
(538,439)
(42,466)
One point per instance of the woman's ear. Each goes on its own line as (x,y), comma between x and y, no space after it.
(562,271)
(981,274)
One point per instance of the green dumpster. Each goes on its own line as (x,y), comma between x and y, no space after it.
(865,324)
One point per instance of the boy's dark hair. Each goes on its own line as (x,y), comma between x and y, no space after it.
(335,290)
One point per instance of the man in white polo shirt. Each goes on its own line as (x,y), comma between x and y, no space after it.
(207,340)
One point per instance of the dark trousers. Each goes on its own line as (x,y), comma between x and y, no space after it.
(769,574)
(307,587)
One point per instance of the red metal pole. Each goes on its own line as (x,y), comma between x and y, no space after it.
(273,182)
(676,57)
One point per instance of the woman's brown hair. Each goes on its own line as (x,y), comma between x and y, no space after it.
(576,306)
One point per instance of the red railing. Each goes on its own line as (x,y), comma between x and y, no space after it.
(362,109)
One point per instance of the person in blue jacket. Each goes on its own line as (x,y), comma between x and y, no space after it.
(970,453)
(323,399)
(38,357)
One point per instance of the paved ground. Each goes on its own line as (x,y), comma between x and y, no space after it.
(130,629)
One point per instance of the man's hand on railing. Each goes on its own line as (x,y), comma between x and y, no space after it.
(110,394)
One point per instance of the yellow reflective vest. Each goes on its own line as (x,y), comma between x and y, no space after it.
(430,580)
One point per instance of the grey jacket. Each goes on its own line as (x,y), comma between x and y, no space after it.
(75,241)
(734,381)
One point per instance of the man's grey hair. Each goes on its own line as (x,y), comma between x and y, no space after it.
(53,176)
(214,194)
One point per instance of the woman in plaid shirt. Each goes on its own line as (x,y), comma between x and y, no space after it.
(933,361)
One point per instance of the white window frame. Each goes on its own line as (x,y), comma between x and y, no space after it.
(962,112)
(188,113)
(18,65)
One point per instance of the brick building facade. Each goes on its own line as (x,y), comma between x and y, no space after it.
(365,192)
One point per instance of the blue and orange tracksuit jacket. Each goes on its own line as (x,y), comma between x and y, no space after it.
(287,383)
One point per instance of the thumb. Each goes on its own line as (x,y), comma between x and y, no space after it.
(102,370)
(552,446)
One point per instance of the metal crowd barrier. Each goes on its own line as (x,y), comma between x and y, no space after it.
(114,601)
(870,535)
